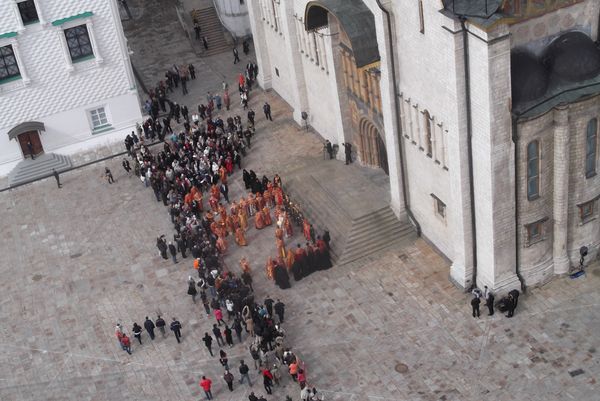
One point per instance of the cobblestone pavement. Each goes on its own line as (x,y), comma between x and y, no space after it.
(390,327)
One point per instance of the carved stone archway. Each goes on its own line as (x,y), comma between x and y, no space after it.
(371,145)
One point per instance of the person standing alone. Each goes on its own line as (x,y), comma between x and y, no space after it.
(267,111)
(475,306)
(57,178)
(206,384)
(236,56)
(176,328)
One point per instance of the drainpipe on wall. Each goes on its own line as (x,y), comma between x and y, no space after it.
(515,139)
(465,34)
(405,194)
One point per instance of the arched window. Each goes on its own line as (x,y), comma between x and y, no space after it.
(590,148)
(533,170)
(428,133)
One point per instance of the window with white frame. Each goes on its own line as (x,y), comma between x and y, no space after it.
(99,118)
(9,68)
(78,42)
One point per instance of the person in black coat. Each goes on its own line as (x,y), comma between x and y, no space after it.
(228,336)
(513,299)
(208,343)
(475,306)
(173,252)
(176,328)
(279,308)
(137,332)
(149,326)
(282,278)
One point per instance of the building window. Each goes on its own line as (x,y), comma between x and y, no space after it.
(533,170)
(99,119)
(535,232)
(421,18)
(428,138)
(440,207)
(590,148)
(28,12)
(78,41)
(587,211)
(9,69)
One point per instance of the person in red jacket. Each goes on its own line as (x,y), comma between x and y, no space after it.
(205,384)
(125,343)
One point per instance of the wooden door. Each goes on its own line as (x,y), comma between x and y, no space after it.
(36,143)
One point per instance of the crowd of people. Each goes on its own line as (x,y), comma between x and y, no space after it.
(189,174)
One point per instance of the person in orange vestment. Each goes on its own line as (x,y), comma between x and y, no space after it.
(189,197)
(306,229)
(259,221)
(278,196)
(259,202)
(243,219)
(235,221)
(222,211)
(289,259)
(278,233)
(242,205)
(214,191)
(213,202)
(245,265)
(287,226)
(221,245)
(234,208)
(240,237)
(267,216)
(268,197)
(214,227)
(280,247)
(229,225)
(269,268)
(223,174)
(198,199)
(277,181)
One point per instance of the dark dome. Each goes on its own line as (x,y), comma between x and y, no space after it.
(529,78)
(573,57)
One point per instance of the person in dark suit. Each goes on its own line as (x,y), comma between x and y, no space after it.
(513,300)
(176,328)
(348,152)
(224,189)
(475,306)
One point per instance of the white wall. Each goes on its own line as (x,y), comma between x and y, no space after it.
(234,15)
(56,96)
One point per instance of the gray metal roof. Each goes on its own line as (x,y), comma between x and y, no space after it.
(357,21)
(473,8)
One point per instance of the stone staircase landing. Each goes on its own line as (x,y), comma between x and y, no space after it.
(41,166)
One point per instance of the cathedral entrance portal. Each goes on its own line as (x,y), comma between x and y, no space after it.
(371,146)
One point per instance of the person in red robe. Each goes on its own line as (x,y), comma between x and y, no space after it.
(214,192)
(267,216)
(306,229)
(287,226)
(240,237)
(259,221)
(221,245)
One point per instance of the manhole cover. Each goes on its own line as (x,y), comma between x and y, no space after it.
(37,277)
(401,368)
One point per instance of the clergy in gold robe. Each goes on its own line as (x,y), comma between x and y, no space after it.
(240,237)
(259,221)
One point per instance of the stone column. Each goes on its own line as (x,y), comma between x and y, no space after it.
(561,190)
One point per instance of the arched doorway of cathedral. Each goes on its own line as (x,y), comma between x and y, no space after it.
(371,145)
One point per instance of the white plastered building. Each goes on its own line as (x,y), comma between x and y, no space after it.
(423,89)
(66,81)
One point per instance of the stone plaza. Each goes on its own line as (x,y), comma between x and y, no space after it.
(390,326)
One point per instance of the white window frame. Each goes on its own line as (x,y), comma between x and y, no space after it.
(65,47)
(99,128)
(16,51)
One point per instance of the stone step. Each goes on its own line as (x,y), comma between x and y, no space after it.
(212,29)
(42,166)
(378,229)
(377,247)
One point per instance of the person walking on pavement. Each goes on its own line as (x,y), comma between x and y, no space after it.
(228,336)
(208,342)
(137,332)
(244,373)
(348,152)
(489,300)
(218,336)
(149,326)
(160,323)
(108,175)
(513,299)
(237,326)
(57,178)
(228,377)
(223,359)
(269,304)
(176,328)
(475,306)
(126,166)
(204,43)
(267,380)
(205,302)
(219,316)
(236,56)
(173,252)
(206,384)
(125,343)
(192,288)
(267,111)
(279,308)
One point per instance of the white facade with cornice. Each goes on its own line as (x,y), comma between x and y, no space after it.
(81,89)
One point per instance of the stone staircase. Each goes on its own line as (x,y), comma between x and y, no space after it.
(351,238)
(212,29)
(41,166)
